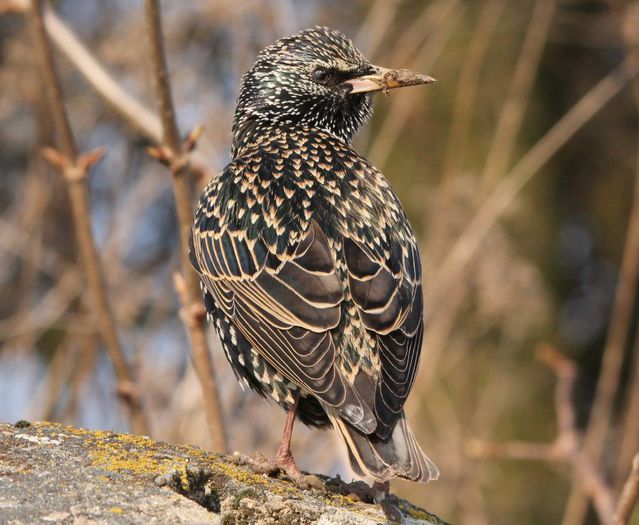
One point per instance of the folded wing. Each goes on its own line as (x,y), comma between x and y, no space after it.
(285,305)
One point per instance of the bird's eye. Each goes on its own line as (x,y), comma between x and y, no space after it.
(320,74)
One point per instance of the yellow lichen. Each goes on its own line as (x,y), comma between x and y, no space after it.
(142,456)
(238,473)
(415,513)
(116,510)
(114,455)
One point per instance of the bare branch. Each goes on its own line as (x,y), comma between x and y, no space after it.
(126,105)
(566,446)
(512,112)
(629,496)
(176,155)
(608,382)
(508,188)
(75,168)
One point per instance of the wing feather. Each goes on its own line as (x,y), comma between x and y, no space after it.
(388,295)
(285,309)
(286,297)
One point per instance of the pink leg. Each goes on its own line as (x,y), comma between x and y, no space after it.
(283,457)
(283,460)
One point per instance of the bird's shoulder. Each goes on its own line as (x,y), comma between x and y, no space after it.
(289,177)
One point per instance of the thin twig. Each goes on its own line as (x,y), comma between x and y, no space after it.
(630,437)
(508,188)
(175,155)
(126,105)
(513,110)
(601,412)
(467,87)
(566,446)
(630,426)
(75,168)
(629,495)
(613,355)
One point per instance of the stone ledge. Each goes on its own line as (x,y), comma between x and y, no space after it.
(50,473)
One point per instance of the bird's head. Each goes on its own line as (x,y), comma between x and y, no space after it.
(315,78)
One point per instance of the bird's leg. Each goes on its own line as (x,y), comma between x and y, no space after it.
(283,457)
(283,460)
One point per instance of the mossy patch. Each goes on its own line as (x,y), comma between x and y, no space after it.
(118,455)
(418,514)
(215,482)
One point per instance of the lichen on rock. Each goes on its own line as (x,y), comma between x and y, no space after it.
(59,474)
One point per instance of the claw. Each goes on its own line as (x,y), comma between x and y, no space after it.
(274,467)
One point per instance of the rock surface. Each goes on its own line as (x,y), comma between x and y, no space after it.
(51,474)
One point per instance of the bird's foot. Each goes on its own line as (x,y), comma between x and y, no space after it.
(378,493)
(282,463)
(359,490)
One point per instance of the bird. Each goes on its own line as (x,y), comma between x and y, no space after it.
(309,267)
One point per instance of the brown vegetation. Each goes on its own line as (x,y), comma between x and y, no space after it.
(517,172)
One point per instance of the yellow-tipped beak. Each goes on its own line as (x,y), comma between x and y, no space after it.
(383,79)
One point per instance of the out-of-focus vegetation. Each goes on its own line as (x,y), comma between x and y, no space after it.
(523,232)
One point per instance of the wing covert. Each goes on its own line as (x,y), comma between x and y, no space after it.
(285,304)
(388,295)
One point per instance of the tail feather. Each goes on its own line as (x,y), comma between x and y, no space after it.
(399,455)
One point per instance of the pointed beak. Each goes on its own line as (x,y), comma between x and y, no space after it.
(383,79)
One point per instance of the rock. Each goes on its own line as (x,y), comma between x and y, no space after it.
(50,473)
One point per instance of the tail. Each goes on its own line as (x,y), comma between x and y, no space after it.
(398,456)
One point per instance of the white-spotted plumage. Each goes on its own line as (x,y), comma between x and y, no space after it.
(310,268)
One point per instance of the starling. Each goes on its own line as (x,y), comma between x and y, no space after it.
(309,267)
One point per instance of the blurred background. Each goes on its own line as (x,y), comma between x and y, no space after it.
(521,205)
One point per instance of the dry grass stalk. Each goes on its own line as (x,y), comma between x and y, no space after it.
(74,168)
(467,88)
(175,155)
(629,496)
(566,446)
(513,110)
(508,188)
(620,321)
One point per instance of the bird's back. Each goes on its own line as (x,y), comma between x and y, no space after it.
(310,268)
(290,182)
